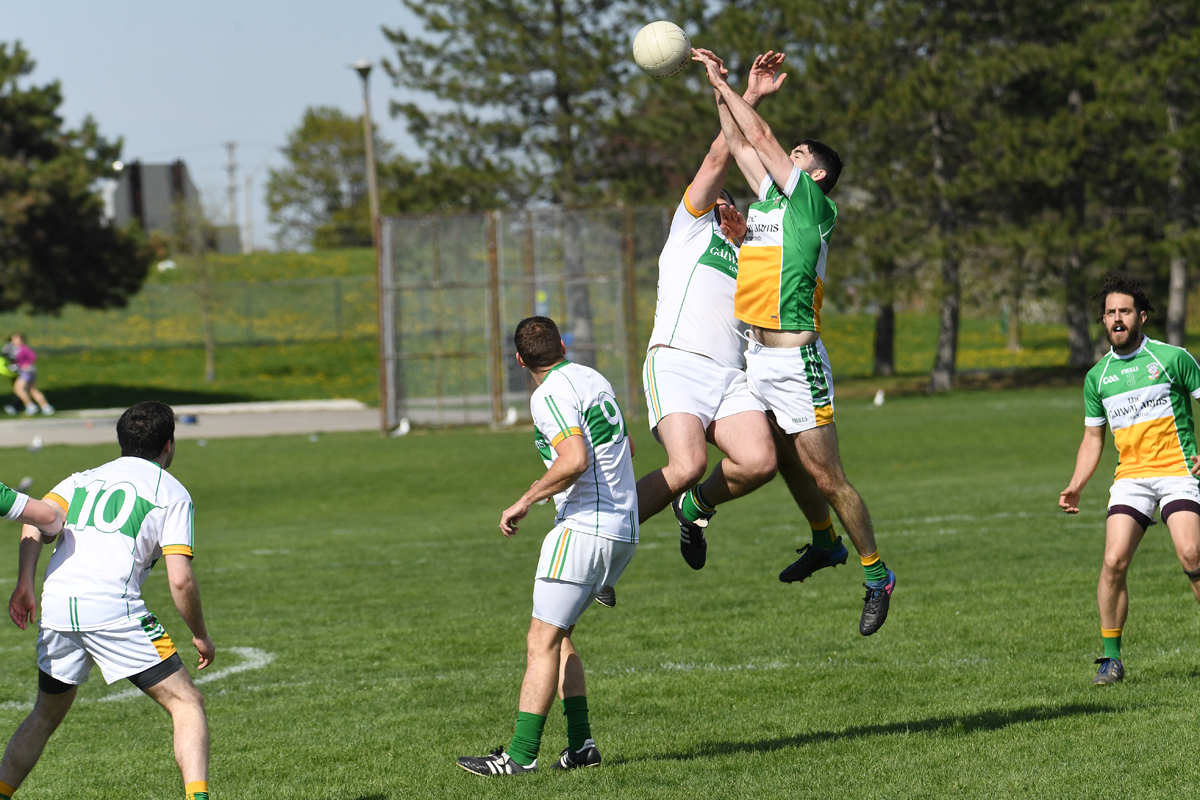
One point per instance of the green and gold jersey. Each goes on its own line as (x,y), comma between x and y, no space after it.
(575,400)
(1146,398)
(781,264)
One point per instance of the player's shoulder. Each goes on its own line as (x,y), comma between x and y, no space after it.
(1168,351)
(153,482)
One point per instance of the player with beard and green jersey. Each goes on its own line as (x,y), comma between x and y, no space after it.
(1143,390)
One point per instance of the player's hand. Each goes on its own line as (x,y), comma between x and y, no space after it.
(712,65)
(22,606)
(1068,500)
(733,224)
(206,649)
(1196,465)
(764,77)
(511,516)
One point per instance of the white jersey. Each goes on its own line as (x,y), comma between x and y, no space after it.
(121,518)
(575,400)
(697,277)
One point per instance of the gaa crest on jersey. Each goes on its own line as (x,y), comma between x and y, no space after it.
(1153,370)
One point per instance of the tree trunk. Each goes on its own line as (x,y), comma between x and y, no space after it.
(1016,289)
(885,339)
(576,291)
(1079,338)
(941,379)
(885,322)
(1177,300)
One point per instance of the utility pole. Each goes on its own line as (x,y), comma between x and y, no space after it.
(231,168)
(248,219)
(363,68)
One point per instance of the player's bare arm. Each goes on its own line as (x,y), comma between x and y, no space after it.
(1090,451)
(572,462)
(754,128)
(22,606)
(48,517)
(747,160)
(764,79)
(186,594)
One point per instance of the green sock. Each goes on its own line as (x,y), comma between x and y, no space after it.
(822,534)
(876,573)
(578,728)
(527,738)
(1112,642)
(694,506)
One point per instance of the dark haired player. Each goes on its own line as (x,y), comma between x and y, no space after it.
(1142,389)
(121,518)
(694,378)
(581,435)
(780,288)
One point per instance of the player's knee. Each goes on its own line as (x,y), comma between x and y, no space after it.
(1116,564)
(688,470)
(762,467)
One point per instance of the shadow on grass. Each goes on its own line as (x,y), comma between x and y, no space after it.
(112,395)
(958,725)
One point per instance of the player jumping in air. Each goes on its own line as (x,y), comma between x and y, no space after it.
(1142,389)
(780,287)
(696,387)
(581,435)
(121,518)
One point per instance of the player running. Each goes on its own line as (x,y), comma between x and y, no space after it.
(121,518)
(1141,389)
(696,388)
(581,435)
(780,287)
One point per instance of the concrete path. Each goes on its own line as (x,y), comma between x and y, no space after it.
(98,426)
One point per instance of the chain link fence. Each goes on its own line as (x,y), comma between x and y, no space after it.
(173,315)
(455,286)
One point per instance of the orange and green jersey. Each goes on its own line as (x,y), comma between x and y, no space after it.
(781,264)
(1146,398)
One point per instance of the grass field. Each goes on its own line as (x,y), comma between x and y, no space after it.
(370,575)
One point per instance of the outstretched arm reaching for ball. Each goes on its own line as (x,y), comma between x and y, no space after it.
(764,79)
(755,131)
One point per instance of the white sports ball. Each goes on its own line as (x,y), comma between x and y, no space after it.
(661,49)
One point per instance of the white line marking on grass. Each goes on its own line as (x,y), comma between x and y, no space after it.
(253,658)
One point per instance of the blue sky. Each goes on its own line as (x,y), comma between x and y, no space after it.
(177,80)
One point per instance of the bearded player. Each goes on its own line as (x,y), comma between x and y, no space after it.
(1142,389)
(780,288)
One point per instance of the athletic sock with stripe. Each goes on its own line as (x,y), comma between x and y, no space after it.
(822,534)
(1112,642)
(527,738)
(196,790)
(579,730)
(694,506)
(6,791)
(874,569)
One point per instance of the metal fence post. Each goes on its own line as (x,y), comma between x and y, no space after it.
(337,307)
(629,252)
(390,398)
(495,350)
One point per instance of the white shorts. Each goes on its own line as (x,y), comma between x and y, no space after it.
(1144,495)
(574,567)
(677,381)
(794,383)
(121,651)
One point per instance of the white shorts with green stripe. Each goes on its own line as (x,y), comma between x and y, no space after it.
(121,650)
(679,382)
(574,567)
(794,383)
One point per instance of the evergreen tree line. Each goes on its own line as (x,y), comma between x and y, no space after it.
(997,152)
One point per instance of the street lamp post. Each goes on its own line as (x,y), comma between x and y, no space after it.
(363,68)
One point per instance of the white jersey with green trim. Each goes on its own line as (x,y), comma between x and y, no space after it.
(697,277)
(575,400)
(121,518)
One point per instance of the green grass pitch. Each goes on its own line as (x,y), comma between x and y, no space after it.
(372,573)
